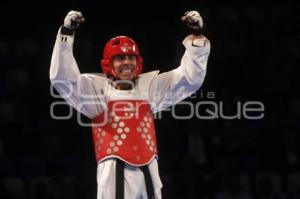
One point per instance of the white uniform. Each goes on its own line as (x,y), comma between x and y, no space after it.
(88,93)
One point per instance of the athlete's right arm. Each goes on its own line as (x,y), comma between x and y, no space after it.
(82,91)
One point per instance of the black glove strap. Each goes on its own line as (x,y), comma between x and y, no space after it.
(199,31)
(66,31)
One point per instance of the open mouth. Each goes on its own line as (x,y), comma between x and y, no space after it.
(125,70)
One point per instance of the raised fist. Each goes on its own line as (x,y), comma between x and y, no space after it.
(73,19)
(193,20)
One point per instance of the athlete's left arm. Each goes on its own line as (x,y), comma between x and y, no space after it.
(171,87)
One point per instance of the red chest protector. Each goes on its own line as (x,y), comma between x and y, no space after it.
(125,131)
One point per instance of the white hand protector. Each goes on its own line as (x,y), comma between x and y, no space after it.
(193,20)
(73,19)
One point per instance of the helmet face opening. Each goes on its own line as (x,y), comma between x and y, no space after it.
(120,45)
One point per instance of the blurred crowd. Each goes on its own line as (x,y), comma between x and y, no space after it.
(254,57)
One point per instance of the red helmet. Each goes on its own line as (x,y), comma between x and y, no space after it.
(120,45)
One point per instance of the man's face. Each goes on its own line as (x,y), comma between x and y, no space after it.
(124,66)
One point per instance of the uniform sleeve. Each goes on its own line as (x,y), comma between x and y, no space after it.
(84,92)
(171,87)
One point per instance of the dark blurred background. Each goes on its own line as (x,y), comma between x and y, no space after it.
(254,57)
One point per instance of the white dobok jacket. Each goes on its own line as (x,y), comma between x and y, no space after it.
(94,95)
